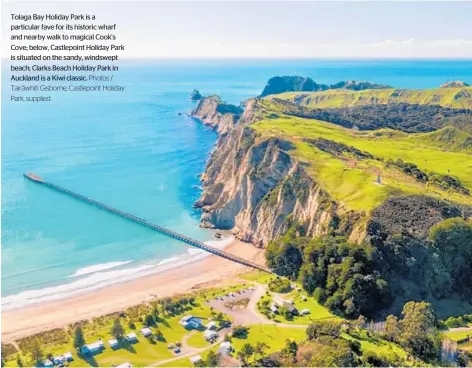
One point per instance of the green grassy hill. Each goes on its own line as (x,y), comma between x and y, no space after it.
(352,180)
(447,97)
(448,138)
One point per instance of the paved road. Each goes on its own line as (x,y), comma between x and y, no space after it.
(249,315)
(458,329)
(246,316)
(188,351)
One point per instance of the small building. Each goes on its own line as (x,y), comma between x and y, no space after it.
(68,357)
(210,335)
(304,312)
(93,348)
(124,365)
(304,298)
(291,308)
(212,325)
(225,348)
(191,323)
(48,363)
(131,337)
(274,308)
(59,359)
(195,359)
(278,301)
(113,343)
(146,332)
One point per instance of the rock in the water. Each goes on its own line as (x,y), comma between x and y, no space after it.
(195,95)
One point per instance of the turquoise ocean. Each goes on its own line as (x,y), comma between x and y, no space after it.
(139,152)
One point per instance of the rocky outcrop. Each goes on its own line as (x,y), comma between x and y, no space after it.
(195,95)
(281,84)
(212,111)
(295,83)
(455,84)
(253,187)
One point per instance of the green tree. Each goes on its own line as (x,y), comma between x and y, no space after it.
(285,312)
(259,348)
(418,318)
(290,350)
(36,352)
(284,258)
(79,339)
(453,238)
(240,332)
(117,329)
(323,328)
(212,359)
(159,335)
(419,335)
(246,352)
(149,320)
(330,352)
(19,362)
(392,328)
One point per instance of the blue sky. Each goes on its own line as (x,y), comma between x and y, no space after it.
(279,29)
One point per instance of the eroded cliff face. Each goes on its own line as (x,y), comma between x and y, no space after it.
(253,187)
(212,111)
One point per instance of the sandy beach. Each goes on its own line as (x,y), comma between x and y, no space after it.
(208,272)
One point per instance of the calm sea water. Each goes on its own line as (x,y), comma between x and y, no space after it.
(139,152)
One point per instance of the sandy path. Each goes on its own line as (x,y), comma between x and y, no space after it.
(209,272)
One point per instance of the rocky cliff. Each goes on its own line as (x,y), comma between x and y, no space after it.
(254,187)
(220,116)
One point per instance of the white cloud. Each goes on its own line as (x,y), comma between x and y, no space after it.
(405,48)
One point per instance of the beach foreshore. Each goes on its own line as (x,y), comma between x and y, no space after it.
(208,272)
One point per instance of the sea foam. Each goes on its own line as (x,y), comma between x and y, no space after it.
(94,277)
(99,267)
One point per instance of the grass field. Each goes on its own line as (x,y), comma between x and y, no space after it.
(458,335)
(142,353)
(185,362)
(448,97)
(375,345)
(197,340)
(258,276)
(467,346)
(353,182)
(272,335)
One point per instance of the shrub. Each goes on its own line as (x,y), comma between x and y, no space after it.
(240,332)
(280,285)
(323,328)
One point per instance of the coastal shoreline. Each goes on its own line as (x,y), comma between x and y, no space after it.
(202,273)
